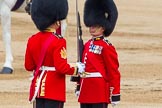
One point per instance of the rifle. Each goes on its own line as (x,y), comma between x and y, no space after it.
(80,44)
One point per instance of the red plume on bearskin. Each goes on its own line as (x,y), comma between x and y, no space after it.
(101,12)
(46,12)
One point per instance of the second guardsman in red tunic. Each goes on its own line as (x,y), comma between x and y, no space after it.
(100,84)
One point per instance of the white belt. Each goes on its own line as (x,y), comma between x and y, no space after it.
(89,75)
(46,68)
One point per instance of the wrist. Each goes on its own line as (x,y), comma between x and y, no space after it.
(115,98)
(75,71)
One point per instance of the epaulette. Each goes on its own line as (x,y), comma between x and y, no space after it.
(58,35)
(98,38)
(107,41)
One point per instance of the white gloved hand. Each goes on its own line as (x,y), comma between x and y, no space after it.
(81,67)
(114,103)
(77,93)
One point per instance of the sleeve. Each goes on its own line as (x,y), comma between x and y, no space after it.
(60,59)
(113,74)
(29,62)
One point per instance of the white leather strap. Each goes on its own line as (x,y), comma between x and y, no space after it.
(89,75)
(47,68)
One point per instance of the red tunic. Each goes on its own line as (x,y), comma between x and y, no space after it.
(53,82)
(99,56)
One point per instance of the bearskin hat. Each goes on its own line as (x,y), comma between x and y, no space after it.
(46,12)
(101,12)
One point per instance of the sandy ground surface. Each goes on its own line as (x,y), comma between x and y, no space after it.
(138,41)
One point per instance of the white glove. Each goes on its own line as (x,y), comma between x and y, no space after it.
(77,93)
(114,103)
(81,67)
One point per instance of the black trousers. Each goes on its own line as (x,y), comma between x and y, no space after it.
(94,105)
(47,103)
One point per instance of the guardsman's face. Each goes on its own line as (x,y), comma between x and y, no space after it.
(96,30)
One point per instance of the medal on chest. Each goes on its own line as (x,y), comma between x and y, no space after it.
(96,49)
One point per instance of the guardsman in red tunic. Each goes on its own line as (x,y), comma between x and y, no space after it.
(47,15)
(100,83)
